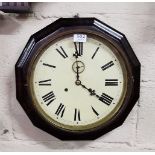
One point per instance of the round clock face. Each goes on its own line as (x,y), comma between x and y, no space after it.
(78,85)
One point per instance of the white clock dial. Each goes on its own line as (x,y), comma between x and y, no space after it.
(78,99)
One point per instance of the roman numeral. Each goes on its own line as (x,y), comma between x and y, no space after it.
(77,115)
(106,99)
(96,113)
(45,82)
(79,48)
(48,65)
(95,52)
(62,52)
(111,82)
(108,65)
(49,98)
(60,110)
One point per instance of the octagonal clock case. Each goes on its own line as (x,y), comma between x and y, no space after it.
(77,78)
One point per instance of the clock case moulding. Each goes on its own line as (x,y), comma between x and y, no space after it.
(53,30)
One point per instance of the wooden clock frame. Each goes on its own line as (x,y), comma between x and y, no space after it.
(51,32)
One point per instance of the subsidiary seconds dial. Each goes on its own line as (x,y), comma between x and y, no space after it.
(78,85)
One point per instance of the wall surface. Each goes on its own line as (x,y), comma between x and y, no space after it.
(136,20)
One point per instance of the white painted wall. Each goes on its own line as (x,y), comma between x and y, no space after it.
(136,20)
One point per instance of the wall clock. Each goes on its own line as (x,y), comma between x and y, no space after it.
(77,78)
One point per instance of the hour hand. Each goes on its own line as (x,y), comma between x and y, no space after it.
(76,51)
(78,67)
(77,82)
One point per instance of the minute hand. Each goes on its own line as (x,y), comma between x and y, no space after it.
(91,91)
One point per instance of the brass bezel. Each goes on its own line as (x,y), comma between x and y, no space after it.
(125,68)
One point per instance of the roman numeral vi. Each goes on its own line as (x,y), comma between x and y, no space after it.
(77,115)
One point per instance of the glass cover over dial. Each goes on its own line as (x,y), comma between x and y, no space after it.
(78,85)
